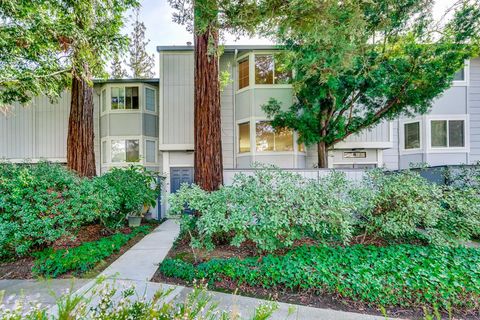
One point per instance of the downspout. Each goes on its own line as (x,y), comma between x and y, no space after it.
(234,69)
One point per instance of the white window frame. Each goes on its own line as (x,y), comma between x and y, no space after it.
(466,128)
(124,86)
(155,149)
(155,94)
(140,150)
(466,80)
(402,136)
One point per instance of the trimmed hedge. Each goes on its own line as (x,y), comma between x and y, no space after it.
(52,263)
(400,275)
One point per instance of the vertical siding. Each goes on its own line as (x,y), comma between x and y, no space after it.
(177,76)
(390,156)
(474,110)
(228,125)
(379,133)
(38,130)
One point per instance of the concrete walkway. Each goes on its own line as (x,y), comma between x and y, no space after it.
(141,261)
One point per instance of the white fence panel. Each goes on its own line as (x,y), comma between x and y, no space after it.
(315,174)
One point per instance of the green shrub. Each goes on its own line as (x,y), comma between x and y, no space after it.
(272,208)
(399,275)
(52,263)
(403,206)
(135,188)
(40,203)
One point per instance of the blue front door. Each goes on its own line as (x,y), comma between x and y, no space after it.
(179,176)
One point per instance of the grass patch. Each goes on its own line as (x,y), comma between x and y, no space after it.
(394,276)
(81,259)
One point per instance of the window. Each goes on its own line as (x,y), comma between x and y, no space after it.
(125,151)
(244,137)
(411,135)
(354,165)
(150,151)
(448,133)
(124,98)
(243,74)
(104,100)
(269,70)
(131,98)
(270,139)
(150,99)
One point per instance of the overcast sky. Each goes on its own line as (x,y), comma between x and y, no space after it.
(157,16)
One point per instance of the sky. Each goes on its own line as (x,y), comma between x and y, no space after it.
(157,16)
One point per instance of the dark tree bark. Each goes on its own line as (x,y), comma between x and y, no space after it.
(207,138)
(80,147)
(322,155)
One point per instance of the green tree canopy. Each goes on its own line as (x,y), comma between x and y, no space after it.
(358,62)
(43,42)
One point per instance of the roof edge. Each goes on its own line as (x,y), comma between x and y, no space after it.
(227,48)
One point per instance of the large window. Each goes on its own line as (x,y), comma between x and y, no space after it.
(125,151)
(244,137)
(124,98)
(447,133)
(243,74)
(271,139)
(412,135)
(269,70)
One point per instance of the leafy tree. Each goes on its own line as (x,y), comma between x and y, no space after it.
(362,62)
(141,63)
(118,72)
(48,45)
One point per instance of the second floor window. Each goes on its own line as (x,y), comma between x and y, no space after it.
(243,74)
(271,139)
(459,75)
(124,98)
(412,135)
(125,151)
(269,70)
(447,133)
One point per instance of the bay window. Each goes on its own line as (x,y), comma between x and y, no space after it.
(269,139)
(124,98)
(269,70)
(125,151)
(244,137)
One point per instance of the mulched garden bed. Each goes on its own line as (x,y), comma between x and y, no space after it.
(182,250)
(22,268)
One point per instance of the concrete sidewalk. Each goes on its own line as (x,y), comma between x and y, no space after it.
(141,261)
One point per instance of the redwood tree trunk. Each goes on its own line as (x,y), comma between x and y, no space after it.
(208,140)
(322,155)
(80,147)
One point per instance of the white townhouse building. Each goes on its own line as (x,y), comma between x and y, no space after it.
(150,121)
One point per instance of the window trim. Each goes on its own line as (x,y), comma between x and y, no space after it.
(466,81)
(145,149)
(140,149)
(402,136)
(108,140)
(466,132)
(274,144)
(124,86)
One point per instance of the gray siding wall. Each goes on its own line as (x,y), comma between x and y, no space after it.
(227,63)
(38,130)
(379,133)
(474,110)
(125,124)
(177,97)
(391,155)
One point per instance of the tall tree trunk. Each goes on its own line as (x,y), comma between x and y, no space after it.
(322,155)
(80,147)
(208,140)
